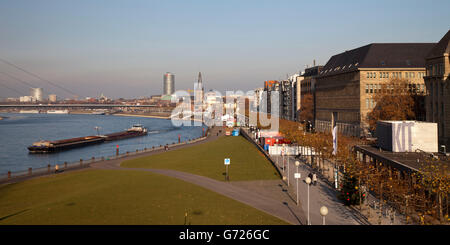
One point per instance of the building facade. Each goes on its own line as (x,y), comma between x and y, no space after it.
(168,84)
(347,83)
(37,94)
(308,86)
(286,100)
(438,86)
(271,88)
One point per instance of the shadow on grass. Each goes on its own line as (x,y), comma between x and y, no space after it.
(14,214)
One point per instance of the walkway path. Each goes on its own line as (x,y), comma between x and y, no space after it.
(288,212)
(320,195)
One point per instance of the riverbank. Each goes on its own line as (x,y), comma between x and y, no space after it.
(140,115)
(84,197)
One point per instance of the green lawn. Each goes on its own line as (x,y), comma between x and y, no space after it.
(247,163)
(120,197)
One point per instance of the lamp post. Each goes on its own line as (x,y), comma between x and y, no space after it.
(288,168)
(297,176)
(308,182)
(323,212)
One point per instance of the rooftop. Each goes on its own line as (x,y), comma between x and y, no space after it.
(379,55)
(443,46)
(405,161)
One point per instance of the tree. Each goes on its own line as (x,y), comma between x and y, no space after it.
(350,190)
(397,100)
(307,108)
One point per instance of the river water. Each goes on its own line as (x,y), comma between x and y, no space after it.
(18,131)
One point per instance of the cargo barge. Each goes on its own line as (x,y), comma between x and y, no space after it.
(45,146)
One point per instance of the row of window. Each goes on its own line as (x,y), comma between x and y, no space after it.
(370,103)
(436,87)
(395,74)
(435,70)
(376,88)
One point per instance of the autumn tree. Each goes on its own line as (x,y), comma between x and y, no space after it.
(307,108)
(396,100)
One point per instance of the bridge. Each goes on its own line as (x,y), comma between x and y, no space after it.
(91,106)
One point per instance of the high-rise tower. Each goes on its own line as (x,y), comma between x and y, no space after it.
(169,84)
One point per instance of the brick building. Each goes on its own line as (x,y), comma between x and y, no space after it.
(438,86)
(348,81)
(308,84)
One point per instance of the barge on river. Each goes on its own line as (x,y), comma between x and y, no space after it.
(46,146)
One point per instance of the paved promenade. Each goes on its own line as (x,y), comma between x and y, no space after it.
(265,202)
(271,196)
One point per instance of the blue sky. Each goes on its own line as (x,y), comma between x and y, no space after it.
(123,48)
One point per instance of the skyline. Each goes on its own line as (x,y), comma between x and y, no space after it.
(124,49)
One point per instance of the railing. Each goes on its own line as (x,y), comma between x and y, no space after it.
(83,163)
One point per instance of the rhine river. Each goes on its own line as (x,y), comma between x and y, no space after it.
(18,131)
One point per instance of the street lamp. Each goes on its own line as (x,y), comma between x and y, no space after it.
(288,168)
(308,181)
(297,176)
(323,212)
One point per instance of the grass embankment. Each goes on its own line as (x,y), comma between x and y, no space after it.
(247,163)
(120,197)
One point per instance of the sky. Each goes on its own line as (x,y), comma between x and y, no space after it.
(123,48)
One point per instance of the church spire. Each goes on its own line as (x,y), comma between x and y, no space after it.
(200,78)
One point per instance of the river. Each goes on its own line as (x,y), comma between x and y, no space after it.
(18,131)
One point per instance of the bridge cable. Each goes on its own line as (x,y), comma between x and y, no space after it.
(17,79)
(37,76)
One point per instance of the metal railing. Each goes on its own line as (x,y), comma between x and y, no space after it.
(83,163)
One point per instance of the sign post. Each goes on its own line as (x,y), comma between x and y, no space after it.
(227,162)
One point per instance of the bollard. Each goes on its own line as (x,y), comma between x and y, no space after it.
(81,162)
(29,171)
(48,168)
(65,164)
(179,138)
(9,174)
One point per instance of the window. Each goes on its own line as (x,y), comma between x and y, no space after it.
(379,88)
(371,88)
(368,74)
(367,88)
(400,75)
(367,103)
(387,74)
(374,75)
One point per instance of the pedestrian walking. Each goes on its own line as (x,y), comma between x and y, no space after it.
(314,179)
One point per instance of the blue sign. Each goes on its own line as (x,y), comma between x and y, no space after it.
(227,161)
